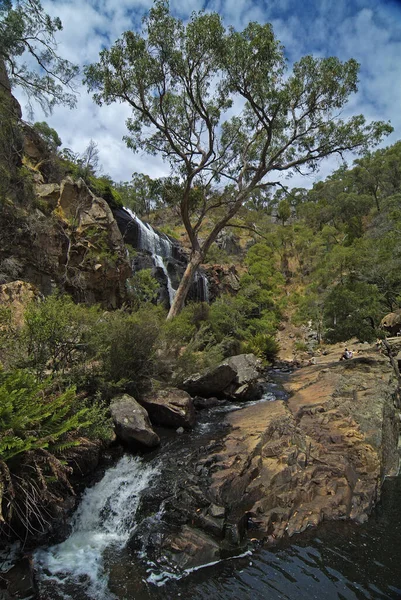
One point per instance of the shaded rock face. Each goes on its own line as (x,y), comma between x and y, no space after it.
(211,383)
(237,378)
(19,581)
(222,279)
(131,421)
(229,242)
(78,247)
(170,408)
(286,465)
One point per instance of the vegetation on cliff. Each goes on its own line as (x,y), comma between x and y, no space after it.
(328,256)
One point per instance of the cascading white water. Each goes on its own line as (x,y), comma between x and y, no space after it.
(158,261)
(150,240)
(160,247)
(103,520)
(203,286)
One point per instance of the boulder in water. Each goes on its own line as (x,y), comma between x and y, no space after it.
(190,548)
(170,408)
(131,422)
(247,384)
(211,382)
(238,378)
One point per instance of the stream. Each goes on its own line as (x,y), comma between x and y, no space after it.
(338,560)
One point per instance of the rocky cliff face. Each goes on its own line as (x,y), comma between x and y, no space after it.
(66,238)
(289,464)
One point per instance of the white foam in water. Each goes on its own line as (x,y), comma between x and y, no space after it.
(103,519)
(161,578)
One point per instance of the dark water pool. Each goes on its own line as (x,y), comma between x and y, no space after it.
(336,561)
(339,560)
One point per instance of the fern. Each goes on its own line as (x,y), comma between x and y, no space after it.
(32,418)
(36,424)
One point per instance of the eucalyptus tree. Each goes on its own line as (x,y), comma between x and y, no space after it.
(28,55)
(183,83)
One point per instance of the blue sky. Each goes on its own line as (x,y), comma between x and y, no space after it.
(367,30)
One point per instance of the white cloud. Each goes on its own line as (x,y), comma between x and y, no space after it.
(367,30)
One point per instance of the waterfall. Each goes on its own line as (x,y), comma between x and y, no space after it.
(156,244)
(103,521)
(202,286)
(161,249)
(158,261)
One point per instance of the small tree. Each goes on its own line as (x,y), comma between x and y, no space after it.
(180,81)
(26,28)
(48,134)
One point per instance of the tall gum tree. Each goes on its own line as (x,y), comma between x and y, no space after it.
(182,83)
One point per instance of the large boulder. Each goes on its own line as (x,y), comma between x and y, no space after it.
(392,323)
(238,378)
(170,408)
(247,384)
(131,422)
(211,382)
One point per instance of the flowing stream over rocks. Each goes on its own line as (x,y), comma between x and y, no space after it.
(108,555)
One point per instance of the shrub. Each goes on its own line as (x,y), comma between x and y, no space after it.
(263,345)
(54,334)
(142,288)
(36,424)
(126,345)
(191,361)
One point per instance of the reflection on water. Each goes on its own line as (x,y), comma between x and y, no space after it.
(338,560)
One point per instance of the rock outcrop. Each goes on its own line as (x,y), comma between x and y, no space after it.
(222,279)
(392,323)
(237,378)
(210,383)
(72,241)
(247,385)
(284,466)
(16,297)
(131,421)
(170,408)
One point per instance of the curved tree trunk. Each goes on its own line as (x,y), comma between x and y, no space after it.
(185,284)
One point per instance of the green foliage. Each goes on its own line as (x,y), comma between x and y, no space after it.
(142,288)
(264,346)
(126,347)
(166,74)
(283,211)
(32,417)
(192,361)
(181,330)
(38,425)
(351,309)
(56,334)
(141,194)
(48,134)
(26,28)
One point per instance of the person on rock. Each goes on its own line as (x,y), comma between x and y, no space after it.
(347,354)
